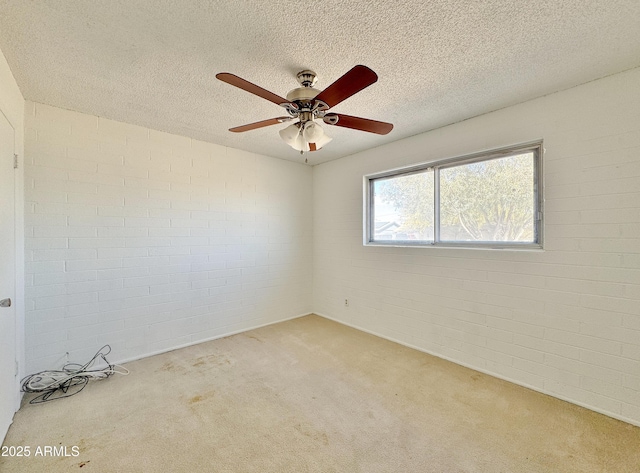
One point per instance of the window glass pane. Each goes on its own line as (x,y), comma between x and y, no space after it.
(490,200)
(403,208)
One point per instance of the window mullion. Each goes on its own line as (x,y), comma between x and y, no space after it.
(436,205)
(371,209)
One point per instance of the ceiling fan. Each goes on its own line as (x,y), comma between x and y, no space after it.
(307,104)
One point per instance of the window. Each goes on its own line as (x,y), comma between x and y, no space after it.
(491,199)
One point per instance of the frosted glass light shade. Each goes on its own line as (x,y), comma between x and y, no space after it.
(290,134)
(300,144)
(322,141)
(298,136)
(312,132)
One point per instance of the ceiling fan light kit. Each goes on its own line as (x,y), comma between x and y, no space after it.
(307,104)
(307,136)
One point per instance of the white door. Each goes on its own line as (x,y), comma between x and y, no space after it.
(8,383)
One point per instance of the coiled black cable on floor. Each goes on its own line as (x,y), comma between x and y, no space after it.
(70,380)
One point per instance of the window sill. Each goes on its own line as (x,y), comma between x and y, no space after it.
(460,246)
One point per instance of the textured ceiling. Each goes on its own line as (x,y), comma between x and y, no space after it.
(153,62)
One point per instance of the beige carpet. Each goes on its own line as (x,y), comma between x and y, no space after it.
(311,395)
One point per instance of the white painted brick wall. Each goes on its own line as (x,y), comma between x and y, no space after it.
(148,241)
(565,321)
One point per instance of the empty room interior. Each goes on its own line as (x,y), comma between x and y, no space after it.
(338,236)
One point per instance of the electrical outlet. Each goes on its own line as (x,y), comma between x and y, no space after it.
(346,302)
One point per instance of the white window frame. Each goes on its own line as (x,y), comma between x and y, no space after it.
(536,147)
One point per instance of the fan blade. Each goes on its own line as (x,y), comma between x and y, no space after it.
(312,147)
(358,78)
(251,88)
(263,123)
(357,123)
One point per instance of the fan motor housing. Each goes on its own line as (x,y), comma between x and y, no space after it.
(302,94)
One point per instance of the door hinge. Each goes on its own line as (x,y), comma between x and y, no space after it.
(15,161)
